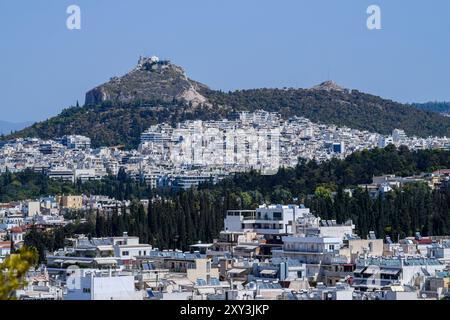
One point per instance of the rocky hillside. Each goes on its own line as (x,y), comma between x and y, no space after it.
(156,91)
(152,79)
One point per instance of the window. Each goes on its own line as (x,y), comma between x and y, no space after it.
(277,216)
(86,290)
(125,253)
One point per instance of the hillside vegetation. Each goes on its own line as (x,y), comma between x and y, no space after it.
(117,112)
(439,107)
(343,108)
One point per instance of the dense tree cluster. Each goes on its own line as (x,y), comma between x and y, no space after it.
(400,213)
(357,168)
(29,184)
(440,107)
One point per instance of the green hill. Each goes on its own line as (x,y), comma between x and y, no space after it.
(440,107)
(117,112)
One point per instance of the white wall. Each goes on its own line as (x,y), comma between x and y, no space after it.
(233,223)
(105,288)
(115,288)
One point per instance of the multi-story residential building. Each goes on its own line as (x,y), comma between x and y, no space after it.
(376,273)
(72,202)
(76,142)
(101,252)
(439,251)
(32,208)
(271,221)
(203,272)
(398,135)
(61,173)
(98,285)
(311,250)
(5,249)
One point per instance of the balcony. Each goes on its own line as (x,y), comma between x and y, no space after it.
(262,221)
(265,231)
(251,216)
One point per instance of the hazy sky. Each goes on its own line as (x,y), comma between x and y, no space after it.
(232,44)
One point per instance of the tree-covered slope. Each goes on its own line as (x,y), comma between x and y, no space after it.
(440,107)
(340,107)
(119,125)
(118,111)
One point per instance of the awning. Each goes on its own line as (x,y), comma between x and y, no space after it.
(358,270)
(397,288)
(106,262)
(236,271)
(77,261)
(105,248)
(390,271)
(206,291)
(268,272)
(246,248)
(181,281)
(372,270)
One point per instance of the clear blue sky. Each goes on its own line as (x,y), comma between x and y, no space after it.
(232,44)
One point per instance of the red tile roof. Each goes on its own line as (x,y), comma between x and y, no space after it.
(5,244)
(16,230)
(442,171)
(424,241)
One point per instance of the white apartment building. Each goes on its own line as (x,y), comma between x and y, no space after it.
(310,250)
(272,220)
(398,135)
(439,251)
(375,273)
(76,142)
(203,145)
(32,208)
(94,285)
(203,272)
(313,251)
